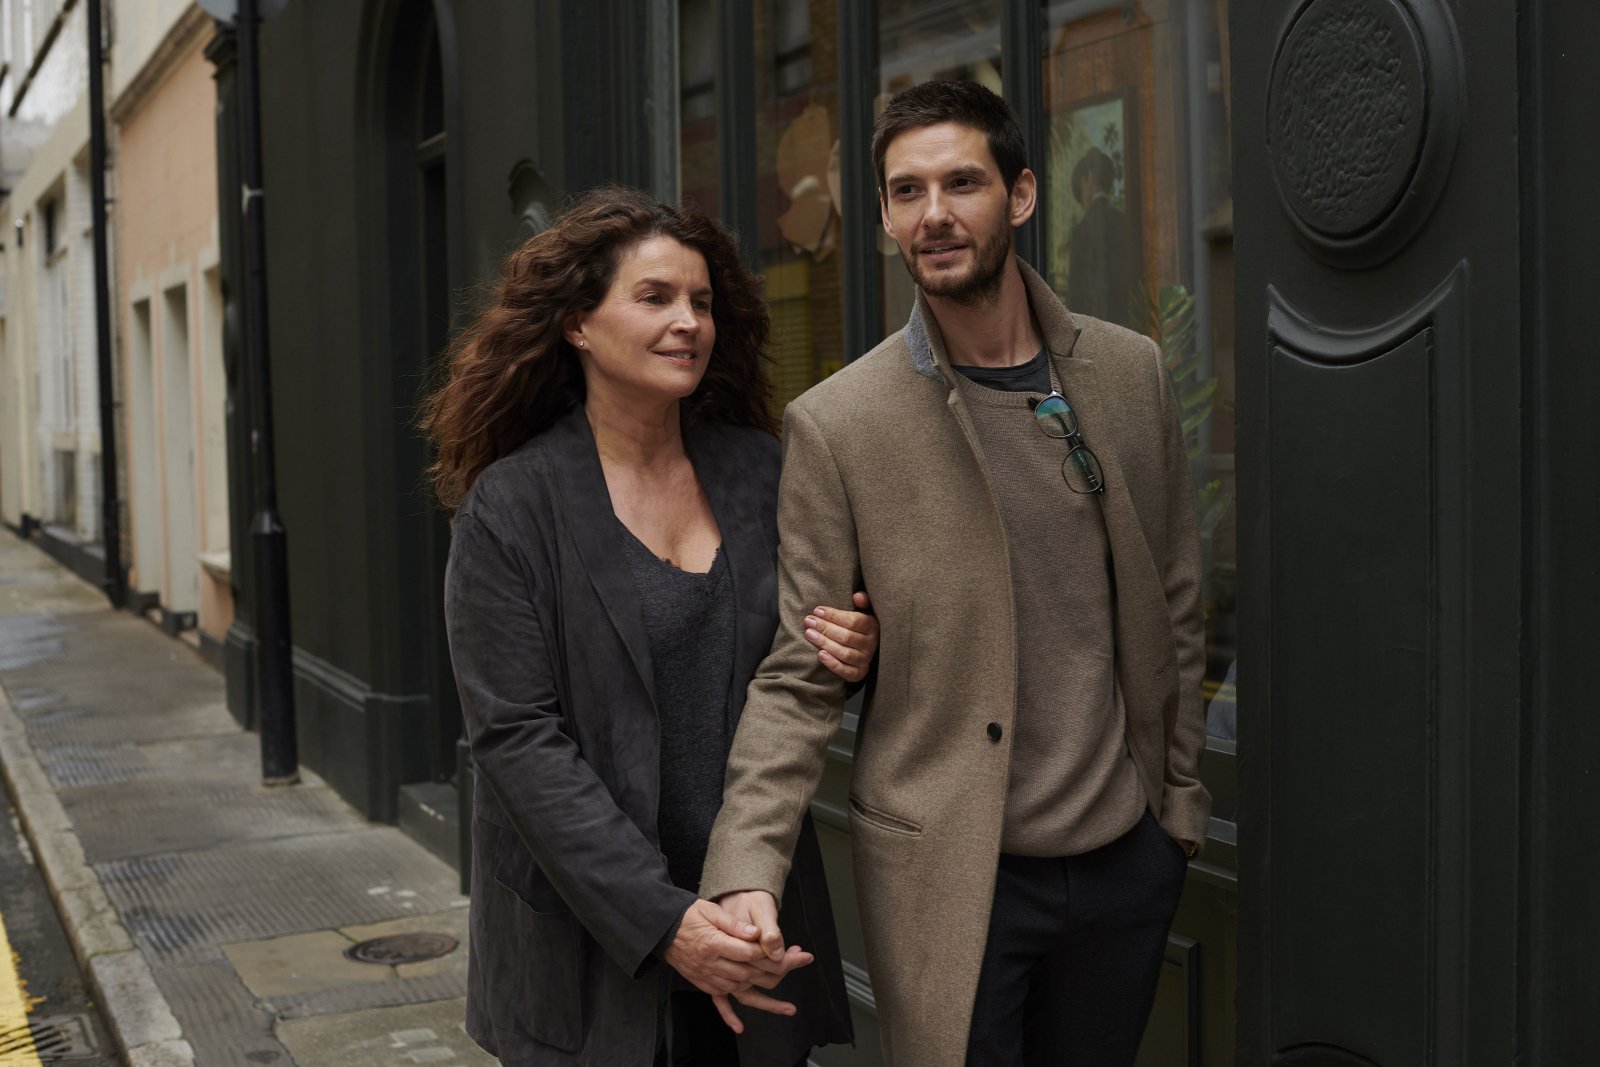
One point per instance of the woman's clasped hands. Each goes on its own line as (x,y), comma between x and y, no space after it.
(723,956)
(728,957)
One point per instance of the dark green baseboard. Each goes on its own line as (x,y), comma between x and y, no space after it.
(363,743)
(239,666)
(213,653)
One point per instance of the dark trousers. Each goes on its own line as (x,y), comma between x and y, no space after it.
(699,1037)
(1074,952)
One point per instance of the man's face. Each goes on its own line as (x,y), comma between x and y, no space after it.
(946,206)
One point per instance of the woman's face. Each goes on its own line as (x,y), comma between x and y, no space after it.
(652,334)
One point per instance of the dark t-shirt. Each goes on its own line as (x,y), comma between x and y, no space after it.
(1030,377)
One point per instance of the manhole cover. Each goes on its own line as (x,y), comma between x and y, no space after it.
(60,1037)
(402,948)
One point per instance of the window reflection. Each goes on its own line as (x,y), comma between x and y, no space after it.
(797,188)
(697,104)
(1136,199)
(1139,231)
(922,41)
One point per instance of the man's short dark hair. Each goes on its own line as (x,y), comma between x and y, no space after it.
(966,103)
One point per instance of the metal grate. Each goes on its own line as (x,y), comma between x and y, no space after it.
(59,1037)
(180,906)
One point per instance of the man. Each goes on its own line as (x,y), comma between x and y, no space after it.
(1024,790)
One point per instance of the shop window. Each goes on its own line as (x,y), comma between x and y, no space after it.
(918,42)
(1137,211)
(697,104)
(797,188)
(1135,214)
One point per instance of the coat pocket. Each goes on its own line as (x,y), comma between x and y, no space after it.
(537,975)
(515,868)
(882,819)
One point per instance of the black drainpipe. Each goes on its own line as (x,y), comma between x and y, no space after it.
(280,761)
(114,582)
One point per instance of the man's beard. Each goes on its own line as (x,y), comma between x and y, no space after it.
(980,285)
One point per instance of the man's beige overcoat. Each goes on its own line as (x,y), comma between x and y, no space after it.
(884,487)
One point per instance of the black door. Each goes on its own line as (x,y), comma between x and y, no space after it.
(417,319)
(1380,484)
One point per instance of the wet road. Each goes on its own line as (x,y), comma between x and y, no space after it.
(46,1014)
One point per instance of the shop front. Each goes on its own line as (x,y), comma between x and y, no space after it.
(1387,394)
(1125,110)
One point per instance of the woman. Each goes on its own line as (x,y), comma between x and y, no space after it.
(605,437)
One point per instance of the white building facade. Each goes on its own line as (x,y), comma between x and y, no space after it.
(49,385)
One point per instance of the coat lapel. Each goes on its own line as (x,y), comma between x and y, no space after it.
(1138,588)
(586,507)
(600,538)
(1132,567)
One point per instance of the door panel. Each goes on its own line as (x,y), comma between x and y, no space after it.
(1377,241)
(1354,846)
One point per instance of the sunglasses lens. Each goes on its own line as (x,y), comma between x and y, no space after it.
(1055,417)
(1082,471)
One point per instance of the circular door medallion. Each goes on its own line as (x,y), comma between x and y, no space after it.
(1363,110)
(1347,114)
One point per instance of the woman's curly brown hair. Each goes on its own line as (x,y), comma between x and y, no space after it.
(512,373)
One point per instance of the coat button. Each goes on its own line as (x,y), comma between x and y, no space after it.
(994,731)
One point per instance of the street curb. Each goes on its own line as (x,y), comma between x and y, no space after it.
(141,1021)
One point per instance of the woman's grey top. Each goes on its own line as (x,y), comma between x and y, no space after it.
(690,620)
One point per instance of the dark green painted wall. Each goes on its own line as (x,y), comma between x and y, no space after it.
(365,550)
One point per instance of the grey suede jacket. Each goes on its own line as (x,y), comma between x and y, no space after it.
(570,892)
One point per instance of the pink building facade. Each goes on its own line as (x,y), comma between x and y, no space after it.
(169,324)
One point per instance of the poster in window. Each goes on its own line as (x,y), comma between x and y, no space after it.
(1093,211)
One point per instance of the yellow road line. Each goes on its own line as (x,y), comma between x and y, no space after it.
(13,1007)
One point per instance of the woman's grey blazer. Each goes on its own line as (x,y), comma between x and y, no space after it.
(570,893)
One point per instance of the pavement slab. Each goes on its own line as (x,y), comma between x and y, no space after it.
(209,913)
(385,1037)
(300,963)
(351,998)
(180,906)
(180,816)
(451,923)
(222,1020)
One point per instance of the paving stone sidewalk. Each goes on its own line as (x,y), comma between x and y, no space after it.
(210,914)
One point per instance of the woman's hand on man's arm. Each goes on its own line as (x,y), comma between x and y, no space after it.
(846,641)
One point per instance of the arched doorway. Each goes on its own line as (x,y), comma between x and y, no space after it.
(414,317)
